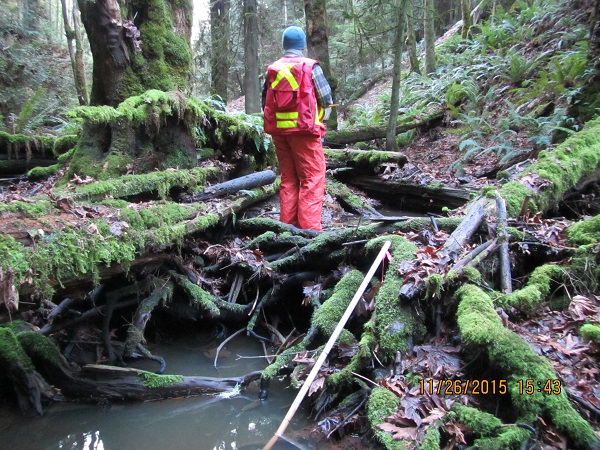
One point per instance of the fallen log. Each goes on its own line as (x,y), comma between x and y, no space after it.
(354,135)
(98,383)
(367,159)
(410,196)
(247,182)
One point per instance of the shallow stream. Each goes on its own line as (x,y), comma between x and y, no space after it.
(202,423)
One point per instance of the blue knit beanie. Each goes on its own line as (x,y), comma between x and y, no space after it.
(293,38)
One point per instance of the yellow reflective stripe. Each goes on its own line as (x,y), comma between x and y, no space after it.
(286,115)
(287,123)
(319,115)
(284,71)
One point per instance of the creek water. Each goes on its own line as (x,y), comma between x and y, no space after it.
(212,422)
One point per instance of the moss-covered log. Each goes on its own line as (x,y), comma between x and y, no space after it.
(40,360)
(405,123)
(516,362)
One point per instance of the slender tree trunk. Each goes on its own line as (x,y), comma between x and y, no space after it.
(390,140)
(79,64)
(411,41)
(71,36)
(465,7)
(318,46)
(219,36)
(429,28)
(251,73)
(594,45)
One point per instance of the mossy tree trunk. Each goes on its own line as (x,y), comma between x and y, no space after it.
(136,46)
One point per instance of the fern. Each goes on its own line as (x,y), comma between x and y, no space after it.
(26,113)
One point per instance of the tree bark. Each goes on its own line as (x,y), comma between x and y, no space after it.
(318,46)
(147,50)
(219,37)
(465,8)
(390,136)
(71,37)
(429,27)
(251,73)
(411,41)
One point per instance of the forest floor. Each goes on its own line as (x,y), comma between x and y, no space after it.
(551,333)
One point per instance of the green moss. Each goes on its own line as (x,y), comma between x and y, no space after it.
(395,323)
(432,439)
(38,173)
(480,422)
(514,193)
(559,169)
(326,318)
(153,380)
(590,332)
(11,352)
(128,185)
(434,285)
(383,403)
(584,232)
(199,297)
(537,289)
(515,360)
(32,209)
(41,349)
(282,360)
(64,143)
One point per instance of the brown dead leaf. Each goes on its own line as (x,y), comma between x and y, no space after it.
(457,430)
(399,433)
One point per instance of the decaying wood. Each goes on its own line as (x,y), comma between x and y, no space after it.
(364,134)
(502,236)
(409,195)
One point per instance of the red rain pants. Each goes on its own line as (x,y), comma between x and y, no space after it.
(302,188)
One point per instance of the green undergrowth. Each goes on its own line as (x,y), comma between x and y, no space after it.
(514,360)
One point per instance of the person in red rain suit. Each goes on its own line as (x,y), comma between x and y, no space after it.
(296,101)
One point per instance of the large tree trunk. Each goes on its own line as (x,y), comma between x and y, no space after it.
(136,48)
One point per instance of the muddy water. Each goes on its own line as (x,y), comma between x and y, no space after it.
(203,423)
